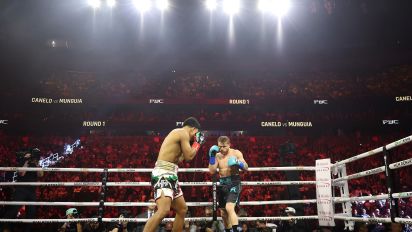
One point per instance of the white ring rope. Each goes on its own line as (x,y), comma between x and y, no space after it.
(145,219)
(360,174)
(361,219)
(401,164)
(61,203)
(279,202)
(140,184)
(402,195)
(365,198)
(375,151)
(374,220)
(403,220)
(375,197)
(297,168)
(346,218)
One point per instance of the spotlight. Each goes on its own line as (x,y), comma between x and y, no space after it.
(276,7)
(281,7)
(231,7)
(111,3)
(94,3)
(211,4)
(264,5)
(162,4)
(143,5)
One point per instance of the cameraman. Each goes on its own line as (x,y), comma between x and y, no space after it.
(27,158)
(71,226)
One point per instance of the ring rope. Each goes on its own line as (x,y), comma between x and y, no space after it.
(140,184)
(339,217)
(401,164)
(375,151)
(336,200)
(121,204)
(375,197)
(361,219)
(360,174)
(404,220)
(145,219)
(383,220)
(49,169)
(365,198)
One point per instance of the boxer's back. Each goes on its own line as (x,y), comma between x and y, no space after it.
(171,149)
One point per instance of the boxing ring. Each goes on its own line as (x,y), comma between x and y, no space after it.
(337,169)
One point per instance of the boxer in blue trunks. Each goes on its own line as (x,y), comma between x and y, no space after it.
(229,161)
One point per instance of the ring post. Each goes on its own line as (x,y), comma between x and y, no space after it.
(102,196)
(214,184)
(393,202)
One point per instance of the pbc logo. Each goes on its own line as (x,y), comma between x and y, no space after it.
(3,122)
(156,101)
(390,122)
(320,102)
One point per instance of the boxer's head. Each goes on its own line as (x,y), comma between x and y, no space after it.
(224,144)
(192,125)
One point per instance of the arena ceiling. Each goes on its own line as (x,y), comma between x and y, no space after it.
(352,34)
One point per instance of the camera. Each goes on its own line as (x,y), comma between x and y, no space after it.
(34,157)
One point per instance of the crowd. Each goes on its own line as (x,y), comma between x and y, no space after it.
(126,86)
(260,151)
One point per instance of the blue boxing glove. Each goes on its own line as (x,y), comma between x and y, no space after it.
(232,161)
(212,154)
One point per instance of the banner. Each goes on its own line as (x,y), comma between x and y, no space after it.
(324,193)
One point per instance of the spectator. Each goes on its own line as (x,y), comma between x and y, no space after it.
(72,213)
(146,214)
(211,225)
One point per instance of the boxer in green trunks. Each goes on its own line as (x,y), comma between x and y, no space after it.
(167,192)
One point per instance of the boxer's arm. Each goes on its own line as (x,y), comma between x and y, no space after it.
(188,151)
(213,152)
(213,167)
(241,159)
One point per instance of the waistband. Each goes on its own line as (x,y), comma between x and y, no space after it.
(166,166)
(234,179)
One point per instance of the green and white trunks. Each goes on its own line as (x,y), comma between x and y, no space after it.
(164,179)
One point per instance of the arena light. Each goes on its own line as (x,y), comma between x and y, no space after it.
(264,5)
(111,3)
(211,4)
(231,7)
(281,7)
(143,5)
(94,3)
(276,7)
(162,4)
